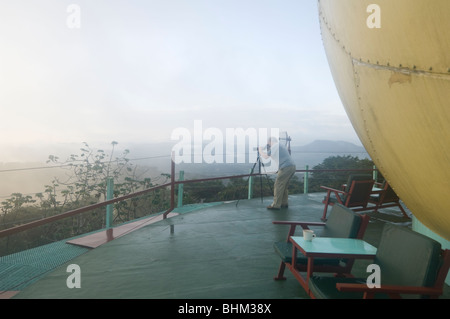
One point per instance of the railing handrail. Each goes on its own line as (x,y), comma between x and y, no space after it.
(47,220)
(172,184)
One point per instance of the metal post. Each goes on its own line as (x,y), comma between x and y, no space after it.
(109,195)
(172,182)
(305,181)
(172,187)
(375,173)
(250,186)
(180,190)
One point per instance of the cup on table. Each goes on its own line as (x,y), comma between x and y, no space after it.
(308,234)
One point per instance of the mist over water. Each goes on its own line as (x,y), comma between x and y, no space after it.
(28,173)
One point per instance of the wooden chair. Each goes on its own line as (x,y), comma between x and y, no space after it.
(355,194)
(386,198)
(342,223)
(411,265)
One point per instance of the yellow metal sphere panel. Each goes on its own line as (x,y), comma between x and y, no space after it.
(391,65)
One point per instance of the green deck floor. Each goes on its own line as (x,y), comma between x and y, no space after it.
(210,252)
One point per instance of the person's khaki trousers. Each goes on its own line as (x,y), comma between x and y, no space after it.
(280,196)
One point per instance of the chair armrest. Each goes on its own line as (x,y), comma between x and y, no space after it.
(389,289)
(332,189)
(378,184)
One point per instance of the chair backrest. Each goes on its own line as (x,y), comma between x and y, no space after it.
(342,222)
(359,194)
(407,258)
(389,196)
(356,177)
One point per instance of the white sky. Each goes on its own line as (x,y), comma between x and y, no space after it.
(136,70)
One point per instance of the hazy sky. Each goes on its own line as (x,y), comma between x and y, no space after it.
(135,70)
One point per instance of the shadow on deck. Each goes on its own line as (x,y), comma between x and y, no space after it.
(216,252)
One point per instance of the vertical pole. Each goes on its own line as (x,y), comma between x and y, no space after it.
(375,173)
(305,181)
(172,182)
(250,186)
(109,195)
(172,188)
(172,191)
(180,190)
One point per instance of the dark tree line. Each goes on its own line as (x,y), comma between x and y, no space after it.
(213,191)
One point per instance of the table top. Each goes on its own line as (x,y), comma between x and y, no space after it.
(324,246)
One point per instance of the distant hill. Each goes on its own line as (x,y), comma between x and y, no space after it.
(314,153)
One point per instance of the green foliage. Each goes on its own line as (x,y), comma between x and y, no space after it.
(88,172)
(337,178)
(207,191)
(84,185)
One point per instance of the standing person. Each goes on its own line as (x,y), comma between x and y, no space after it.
(286,169)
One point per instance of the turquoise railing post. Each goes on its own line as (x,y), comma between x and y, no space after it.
(180,190)
(375,173)
(109,195)
(250,186)
(305,181)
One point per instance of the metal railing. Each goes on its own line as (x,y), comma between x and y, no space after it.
(172,184)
